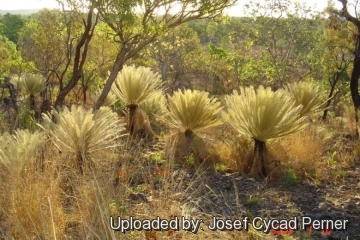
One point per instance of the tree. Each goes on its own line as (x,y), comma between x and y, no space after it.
(8,56)
(135,24)
(355,75)
(58,43)
(331,58)
(172,55)
(281,34)
(12,25)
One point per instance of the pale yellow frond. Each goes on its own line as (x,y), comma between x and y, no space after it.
(192,110)
(263,114)
(19,148)
(109,100)
(135,85)
(30,84)
(82,131)
(154,106)
(308,95)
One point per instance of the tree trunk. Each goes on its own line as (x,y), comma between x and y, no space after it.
(118,66)
(354,84)
(81,51)
(330,96)
(132,109)
(258,164)
(354,81)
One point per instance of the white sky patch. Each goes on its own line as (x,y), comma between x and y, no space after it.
(236,10)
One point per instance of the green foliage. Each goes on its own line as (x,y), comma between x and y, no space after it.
(26,118)
(289,176)
(82,131)
(190,160)
(219,167)
(18,149)
(135,85)
(192,110)
(172,55)
(9,57)
(217,52)
(263,114)
(157,158)
(12,25)
(307,95)
(252,201)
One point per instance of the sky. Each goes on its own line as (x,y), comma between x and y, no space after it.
(34,4)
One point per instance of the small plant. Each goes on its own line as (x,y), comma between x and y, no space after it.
(117,208)
(339,173)
(219,167)
(190,160)
(332,158)
(139,189)
(289,176)
(157,158)
(252,201)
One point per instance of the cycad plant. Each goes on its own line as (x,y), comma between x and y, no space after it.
(109,100)
(18,149)
(262,115)
(82,132)
(154,106)
(31,84)
(189,111)
(133,86)
(192,110)
(307,95)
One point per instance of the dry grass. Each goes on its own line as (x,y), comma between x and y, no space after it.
(51,200)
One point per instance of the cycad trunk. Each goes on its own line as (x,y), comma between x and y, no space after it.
(80,162)
(131,123)
(258,164)
(32,102)
(138,122)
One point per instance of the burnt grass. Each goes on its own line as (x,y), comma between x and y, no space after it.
(233,195)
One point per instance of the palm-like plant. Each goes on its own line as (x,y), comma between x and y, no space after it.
(307,95)
(19,148)
(154,106)
(262,115)
(82,132)
(190,111)
(109,100)
(31,84)
(133,86)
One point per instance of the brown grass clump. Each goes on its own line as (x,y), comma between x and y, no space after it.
(31,205)
(233,150)
(303,152)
